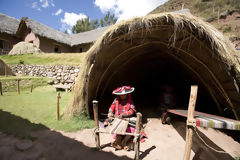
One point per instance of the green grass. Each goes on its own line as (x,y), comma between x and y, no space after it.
(45,59)
(20,114)
(9,83)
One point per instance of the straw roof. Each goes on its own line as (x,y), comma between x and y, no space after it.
(45,31)
(87,37)
(195,44)
(4,69)
(8,24)
(50,33)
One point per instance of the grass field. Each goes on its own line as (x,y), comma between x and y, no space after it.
(20,114)
(45,59)
(9,83)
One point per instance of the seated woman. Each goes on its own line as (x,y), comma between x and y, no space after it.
(122,107)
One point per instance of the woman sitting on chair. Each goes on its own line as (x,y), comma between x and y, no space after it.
(122,107)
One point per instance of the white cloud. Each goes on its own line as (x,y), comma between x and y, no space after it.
(59,11)
(43,4)
(125,9)
(70,20)
(35,6)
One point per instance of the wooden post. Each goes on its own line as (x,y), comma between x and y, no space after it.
(190,122)
(95,113)
(6,70)
(137,132)
(18,86)
(31,87)
(58,100)
(1,88)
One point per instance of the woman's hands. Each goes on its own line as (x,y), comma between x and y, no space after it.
(120,116)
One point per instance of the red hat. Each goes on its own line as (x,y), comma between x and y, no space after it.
(123,90)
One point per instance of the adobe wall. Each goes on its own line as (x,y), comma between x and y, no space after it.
(31,37)
(85,47)
(8,42)
(47,45)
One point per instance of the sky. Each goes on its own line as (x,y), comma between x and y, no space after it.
(63,14)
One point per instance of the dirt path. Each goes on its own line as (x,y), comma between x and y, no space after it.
(165,142)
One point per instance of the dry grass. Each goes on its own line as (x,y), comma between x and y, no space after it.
(46,59)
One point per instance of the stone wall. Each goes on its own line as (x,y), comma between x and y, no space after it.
(60,74)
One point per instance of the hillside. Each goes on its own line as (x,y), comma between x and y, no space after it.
(228,12)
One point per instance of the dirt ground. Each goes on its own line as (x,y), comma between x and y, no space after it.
(165,142)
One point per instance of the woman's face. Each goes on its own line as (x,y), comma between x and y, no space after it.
(123,96)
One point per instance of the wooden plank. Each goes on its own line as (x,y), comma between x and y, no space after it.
(190,120)
(95,113)
(137,137)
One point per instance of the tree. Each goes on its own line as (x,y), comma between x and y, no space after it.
(108,20)
(84,25)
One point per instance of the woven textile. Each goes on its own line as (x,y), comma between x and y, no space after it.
(208,120)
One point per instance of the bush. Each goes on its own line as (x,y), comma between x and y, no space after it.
(219,3)
(21,61)
(227,29)
(201,6)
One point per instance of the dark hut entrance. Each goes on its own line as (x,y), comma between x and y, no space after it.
(147,72)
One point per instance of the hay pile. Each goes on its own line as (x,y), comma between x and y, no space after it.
(4,69)
(24,48)
(197,45)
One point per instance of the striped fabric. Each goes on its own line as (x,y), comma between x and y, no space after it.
(208,120)
(124,107)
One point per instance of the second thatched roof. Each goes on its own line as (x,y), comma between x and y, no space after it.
(8,24)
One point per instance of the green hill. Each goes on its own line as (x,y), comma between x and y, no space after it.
(223,14)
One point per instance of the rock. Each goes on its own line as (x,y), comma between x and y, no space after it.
(50,82)
(59,70)
(59,78)
(76,70)
(23,145)
(49,74)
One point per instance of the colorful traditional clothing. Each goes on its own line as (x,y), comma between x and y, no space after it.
(125,108)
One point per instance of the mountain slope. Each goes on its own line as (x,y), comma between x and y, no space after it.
(223,14)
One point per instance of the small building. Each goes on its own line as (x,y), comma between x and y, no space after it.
(8,28)
(45,38)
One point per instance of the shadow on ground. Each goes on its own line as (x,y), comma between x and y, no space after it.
(47,144)
(200,149)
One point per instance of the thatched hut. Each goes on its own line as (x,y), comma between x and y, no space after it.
(51,40)
(162,48)
(8,28)
(5,70)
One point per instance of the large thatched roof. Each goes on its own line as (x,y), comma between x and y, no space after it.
(146,51)
(8,24)
(50,33)
(44,31)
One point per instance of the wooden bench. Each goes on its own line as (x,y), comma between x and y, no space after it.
(60,87)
